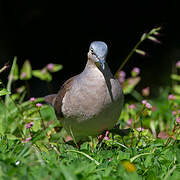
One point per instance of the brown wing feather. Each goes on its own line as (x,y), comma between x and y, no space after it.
(64,88)
(50,98)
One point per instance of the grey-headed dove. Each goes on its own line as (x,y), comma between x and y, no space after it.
(91,102)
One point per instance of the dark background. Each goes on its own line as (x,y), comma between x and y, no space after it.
(51,32)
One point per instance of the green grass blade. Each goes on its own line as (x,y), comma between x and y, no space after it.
(86,155)
(10,80)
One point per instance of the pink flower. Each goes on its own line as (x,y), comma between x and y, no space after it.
(140,129)
(129,122)
(24,74)
(148,105)
(146,91)
(106,136)
(39,105)
(20,89)
(29,125)
(43,71)
(154,108)
(171,97)
(144,101)
(178,120)
(50,66)
(122,75)
(135,71)
(174,113)
(178,64)
(131,81)
(26,140)
(121,79)
(32,99)
(132,106)
(179,111)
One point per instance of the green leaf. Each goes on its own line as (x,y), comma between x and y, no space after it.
(45,76)
(2,118)
(143,37)
(4,92)
(175,77)
(26,71)
(56,67)
(68,174)
(10,80)
(16,73)
(37,126)
(12,137)
(41,146)
(130,84)
(176,89)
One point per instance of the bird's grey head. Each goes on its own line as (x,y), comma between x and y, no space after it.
(97,52)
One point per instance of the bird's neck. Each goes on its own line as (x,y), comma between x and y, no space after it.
(90,64)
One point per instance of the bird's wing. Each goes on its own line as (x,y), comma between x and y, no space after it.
(50,98)
(60,95)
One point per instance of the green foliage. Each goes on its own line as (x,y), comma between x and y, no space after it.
(130,84)
(4,91)
(26,71)
(145,144)
(175,77)
(135,154)
(42,75)
(56,67)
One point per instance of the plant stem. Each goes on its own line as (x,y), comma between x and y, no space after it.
(143,37)
(128,57)
(44,127)
(28,88)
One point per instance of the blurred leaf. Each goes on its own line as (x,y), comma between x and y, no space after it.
(16,73)
(12,137)
(176,89)
(175,77)
(56,67)
(15,96)
(47,112)
(10,80)
(37,125)
(2,117)
(130,84)
(4,92)
(20,89)
(143,37)
(41,146)
(141,52)
(68,174)
(45,76)
(26,71)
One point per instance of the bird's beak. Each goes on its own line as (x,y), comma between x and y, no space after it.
(102,63)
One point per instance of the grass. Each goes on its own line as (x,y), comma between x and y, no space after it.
(144,145)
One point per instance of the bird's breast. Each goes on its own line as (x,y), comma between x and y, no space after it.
(88,96)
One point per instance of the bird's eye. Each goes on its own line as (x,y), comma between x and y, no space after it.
(92,52)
